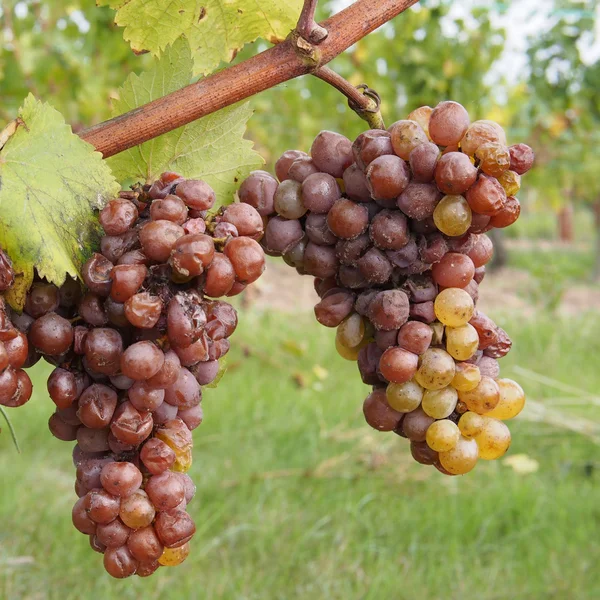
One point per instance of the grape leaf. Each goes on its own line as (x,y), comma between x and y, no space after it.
(50,180)
(211,148)
(217,29)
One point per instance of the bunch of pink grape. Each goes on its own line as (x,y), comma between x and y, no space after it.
(392,228)
(132,352)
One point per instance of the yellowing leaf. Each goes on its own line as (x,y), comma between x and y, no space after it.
(50,182)
(212,148)
(217,29)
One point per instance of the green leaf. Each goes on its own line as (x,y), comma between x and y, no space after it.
(50,180)
(217,29)
(212,148)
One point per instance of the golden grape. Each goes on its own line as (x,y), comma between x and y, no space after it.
(466,378)
(493,440)
(404,397)
(512,400)
(471,424)
(483,398)
(462,458)
(454,307)
(461,342)
(422,116)
(351,331)
(171,557)
(452,216)
(442,436)
(439,403)
(436,369)
(511,182)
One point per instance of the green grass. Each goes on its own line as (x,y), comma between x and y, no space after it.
(298,499)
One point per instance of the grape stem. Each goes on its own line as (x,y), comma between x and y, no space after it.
(307,27)
(243,80)
(13,433)
(364,101)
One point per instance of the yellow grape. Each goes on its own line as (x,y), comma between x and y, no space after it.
(406,136)
(183,460)
(466,378)
(136,510)
(452,216)
(494,158)
(351,331)
(436,369)
(422,116)
(471,424)
(404,397)
(479,133)
(511,182)
(442,436)
(462,342)
(171,557)
(512,400)
(462,458)
(345,352)
(493,440)
(483,398)
(439,404)
(454,307)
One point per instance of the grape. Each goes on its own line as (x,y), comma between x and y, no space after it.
(334,308)
(415,425)
(131,426)
(318,231)
(319,192)
(482,398)
(301,168)
(521,158)
(436,369)
(258,190)
(246,257)
(486,196)
(191,254)
(454,173)
(120,479)
(51,334)
(387,177)
(96,406)
(100,506)
(137,510)
(479,133)
(389,230)
(454,307)
(378,413)
(332,153)
(508,214)
(422,453)
(143,310)
(349,251)
(453,270)
(466,377)
(142,360)
(144,545)
(448,123)
(442,436)
(196,194)
(347,219)
(439,404)
(282,234)
(375,267)
(351,331)
(389,310)
(171,557)
(422,116)
(81,519)
(462,458)
(245,218)
(415,337)
(355,185)
(165,490)
(42,299)
(493,440)
(370,145)
(501,347)
(174,527)
(113,534)
(406,136)
(398,365)
(493,158)
(482,251)
(461,342)
(119,562)
(320,261)
(404,396)
(15,352)
(512,400)
(423,160)
(7,274)
(452,215)
(158,239)
(471,424)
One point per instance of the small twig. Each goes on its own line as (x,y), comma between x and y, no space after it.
(364,101)
(307,27)
(13,433)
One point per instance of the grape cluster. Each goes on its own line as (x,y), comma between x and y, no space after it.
(132,352)
(15,385)
(392,227)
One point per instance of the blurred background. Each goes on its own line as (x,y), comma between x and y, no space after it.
(297,497)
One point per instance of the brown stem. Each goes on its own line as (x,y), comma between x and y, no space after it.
(307,26)
(238,82)
(365,105)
